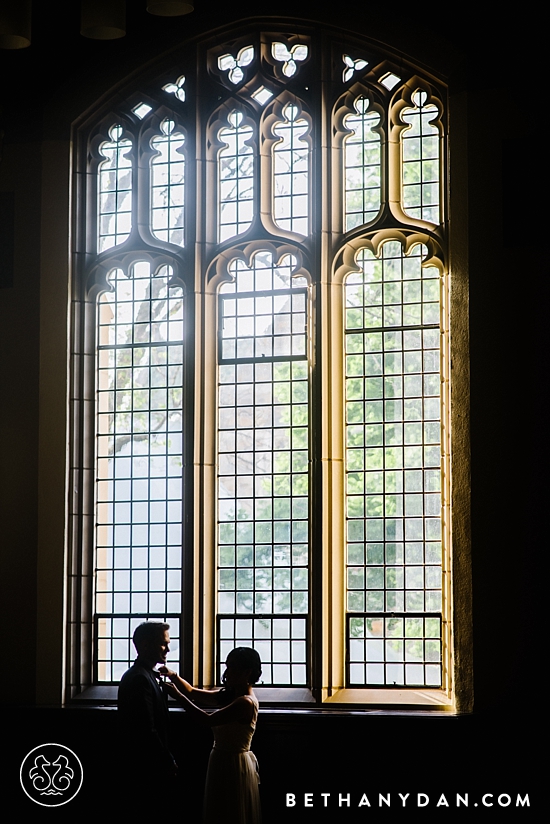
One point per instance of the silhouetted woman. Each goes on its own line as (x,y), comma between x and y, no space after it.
(231,795)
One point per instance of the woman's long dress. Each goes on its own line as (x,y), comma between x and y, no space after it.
(232,795)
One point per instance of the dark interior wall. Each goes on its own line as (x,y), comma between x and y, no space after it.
(506,537)
(339,754)
(20,169)
(45,88)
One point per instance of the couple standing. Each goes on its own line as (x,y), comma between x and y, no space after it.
(231,793)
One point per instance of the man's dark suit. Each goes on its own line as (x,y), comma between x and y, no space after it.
(143,715)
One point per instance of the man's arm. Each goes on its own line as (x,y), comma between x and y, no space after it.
(208,698)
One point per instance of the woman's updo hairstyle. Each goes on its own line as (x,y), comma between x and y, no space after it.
(246,658)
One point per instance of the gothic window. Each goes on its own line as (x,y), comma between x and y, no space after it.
(267,288)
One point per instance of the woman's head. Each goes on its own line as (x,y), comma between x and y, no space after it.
(244,661)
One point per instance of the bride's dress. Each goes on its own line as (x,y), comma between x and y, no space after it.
(232,795)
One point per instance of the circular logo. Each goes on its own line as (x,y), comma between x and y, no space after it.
(51,775)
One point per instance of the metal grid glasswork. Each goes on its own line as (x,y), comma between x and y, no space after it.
(168,185)
(115,191)
(115,649)
(280,642)
(263,457)
(401,650)
(393,458)
(139,444)
(291,174)
(362,166)
(420,143)
(236,178)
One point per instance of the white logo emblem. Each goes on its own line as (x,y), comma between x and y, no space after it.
(51,775)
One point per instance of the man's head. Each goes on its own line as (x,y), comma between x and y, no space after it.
(151,640)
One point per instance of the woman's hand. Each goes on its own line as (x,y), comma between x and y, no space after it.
(170,689)
(167,672)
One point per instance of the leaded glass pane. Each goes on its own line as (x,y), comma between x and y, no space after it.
(393,456)
(263,465)
(168,185)
(115,650)
(291,173)
(139,453)
(394,651)
(235,178)
(362,166)
(114,191)
(420,170)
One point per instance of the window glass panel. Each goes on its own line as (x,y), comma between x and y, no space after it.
(263,467)
(289,58)
(236,178)
(392,500)
(362,166)
(115,191)
(139,463)
(291,173)
(234,66)
(351,66)
(389,80)
(393,457)
(177,88)
(420,142)
(168,185)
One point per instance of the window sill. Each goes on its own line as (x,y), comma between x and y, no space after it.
(410,699)
(269,697)
(107,694)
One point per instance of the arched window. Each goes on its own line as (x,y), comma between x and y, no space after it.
(264,286)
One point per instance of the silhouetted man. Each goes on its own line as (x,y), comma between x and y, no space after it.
(143,711)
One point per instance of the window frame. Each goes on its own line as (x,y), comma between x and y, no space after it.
(199,463)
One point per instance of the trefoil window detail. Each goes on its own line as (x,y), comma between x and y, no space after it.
(352,66)
(289,57)
(176,88)
(234,65)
